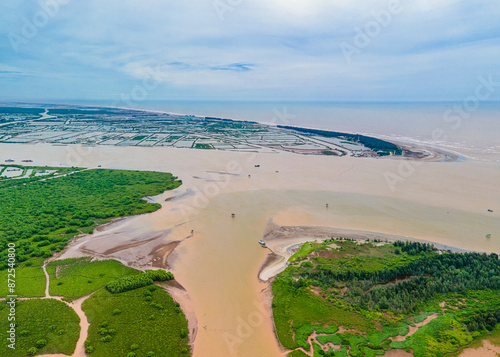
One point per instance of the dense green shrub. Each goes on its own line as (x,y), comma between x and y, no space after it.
(138,281)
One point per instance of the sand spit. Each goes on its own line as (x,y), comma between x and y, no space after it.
(425,153)
(284,241)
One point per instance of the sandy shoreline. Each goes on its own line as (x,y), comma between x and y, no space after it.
(284,241)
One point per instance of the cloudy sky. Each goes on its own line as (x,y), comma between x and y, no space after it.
(338,50)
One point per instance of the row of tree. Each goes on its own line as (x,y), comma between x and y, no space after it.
(368,141)
(133,282)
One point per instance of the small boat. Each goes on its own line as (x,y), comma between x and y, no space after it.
(9,160)
(327,205)
(27,160)
(262,243)
(257,165)
(490,210)
(488,235)
(233,215)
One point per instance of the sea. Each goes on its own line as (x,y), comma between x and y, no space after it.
(470,128)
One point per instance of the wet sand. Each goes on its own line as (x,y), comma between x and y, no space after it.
(486,350)
(218,265)
(284,241)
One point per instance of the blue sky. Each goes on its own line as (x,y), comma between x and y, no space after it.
(247,49)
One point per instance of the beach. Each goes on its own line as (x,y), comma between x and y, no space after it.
(216,258)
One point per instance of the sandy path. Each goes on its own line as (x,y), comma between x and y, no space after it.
(415,328)
(76,305)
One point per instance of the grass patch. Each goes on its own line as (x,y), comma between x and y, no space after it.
(74,278)
(151,320)
(30,282)
(41,320)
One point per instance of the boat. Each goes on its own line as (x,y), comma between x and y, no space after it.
(233,215)
(257,165)
(488,235)
(490,210)
(262,243)
(9,160)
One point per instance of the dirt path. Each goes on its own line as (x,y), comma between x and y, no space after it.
(47,280)
(76,305)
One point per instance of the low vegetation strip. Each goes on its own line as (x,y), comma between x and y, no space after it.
(373,292)
(138,281)
(378,145)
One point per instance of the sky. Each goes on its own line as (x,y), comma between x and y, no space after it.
(258,50)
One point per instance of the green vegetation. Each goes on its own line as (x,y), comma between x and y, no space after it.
(376,291)
(11,182)
(203,146)
(42,325)
(297,353)
(30,282)
(150,323)
(138,281)
(381,147)
(17,110)
(74,278)
(63,207)
(83,111)
(331,153)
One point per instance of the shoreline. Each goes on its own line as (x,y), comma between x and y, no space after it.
(410,150)
(284,241)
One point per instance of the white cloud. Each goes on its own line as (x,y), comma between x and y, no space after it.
(262,47)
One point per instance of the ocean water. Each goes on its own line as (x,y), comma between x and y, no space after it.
(470,130)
